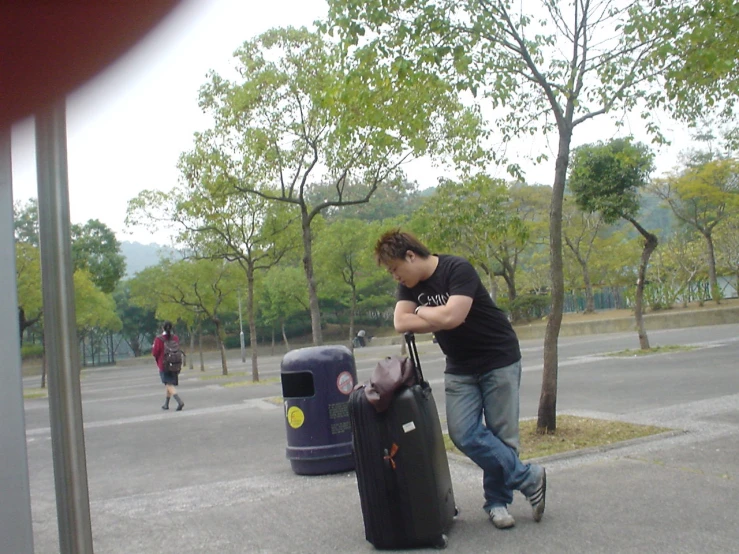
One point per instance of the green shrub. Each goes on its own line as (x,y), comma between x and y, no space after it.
(660,296)
(32,351)
(528,307)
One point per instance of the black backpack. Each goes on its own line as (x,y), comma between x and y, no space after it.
(173,355)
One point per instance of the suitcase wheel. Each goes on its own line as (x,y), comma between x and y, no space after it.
(443,542)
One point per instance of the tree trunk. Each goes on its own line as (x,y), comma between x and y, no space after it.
(493,288)
(253,343)
(315,312)
(221,346)
(712,279)
(192,347)
(510,282)
(135,346)
(589,299)
(24,323)
(284,336)
(21,321)
(512,292)
(650,244)
(352,313)
(547,415)
(43,365)
(200,345)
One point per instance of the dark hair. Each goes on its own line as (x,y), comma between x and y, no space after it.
(167,328)
(395,244)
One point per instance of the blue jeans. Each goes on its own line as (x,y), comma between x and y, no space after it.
(493,445)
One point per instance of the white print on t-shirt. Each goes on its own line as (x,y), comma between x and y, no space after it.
(433,300)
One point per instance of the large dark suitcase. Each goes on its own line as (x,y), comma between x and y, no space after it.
(401,465)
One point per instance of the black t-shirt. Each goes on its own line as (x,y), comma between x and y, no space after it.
(486,340)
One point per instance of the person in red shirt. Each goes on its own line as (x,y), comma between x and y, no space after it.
(169,378)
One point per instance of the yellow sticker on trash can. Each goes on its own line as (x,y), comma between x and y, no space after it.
(295,417)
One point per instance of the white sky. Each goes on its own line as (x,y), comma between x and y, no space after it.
(127,127)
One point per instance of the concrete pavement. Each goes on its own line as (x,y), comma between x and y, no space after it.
(670,494)
(214,479)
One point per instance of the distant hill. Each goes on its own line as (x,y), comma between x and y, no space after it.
(140,256)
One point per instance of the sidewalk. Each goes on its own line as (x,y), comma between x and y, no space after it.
(671,494)
(232,490)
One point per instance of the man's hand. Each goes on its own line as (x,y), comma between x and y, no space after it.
(406,320)
(411,322)
(449,316)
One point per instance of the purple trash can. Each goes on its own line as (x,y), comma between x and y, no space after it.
(316,383)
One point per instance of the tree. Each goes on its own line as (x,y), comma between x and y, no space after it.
(394,200)
(477,218)
(284,297)
(28,280)
(27,264)
(727,242)
(25,222)
(698,64)
(344,257)
(530,204)
(580,231)
(703,197)
(304,115)
(607,178)
(96,249)
(138,324)
(189,316)
(208,288)
(219,222)
(548,68)
(614,265)
(678,262)
(202,287)
(95,312)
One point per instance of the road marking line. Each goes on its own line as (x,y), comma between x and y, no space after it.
(262,403)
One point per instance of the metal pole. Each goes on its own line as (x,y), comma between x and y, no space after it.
(241,333)
(60,333)
(16,528)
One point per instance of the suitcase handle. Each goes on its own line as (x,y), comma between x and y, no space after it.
(410,340)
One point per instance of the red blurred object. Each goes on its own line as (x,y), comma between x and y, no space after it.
(50,47)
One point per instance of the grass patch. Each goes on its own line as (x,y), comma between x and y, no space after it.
(30,394)
(655,350)
(573,433)
(252,383)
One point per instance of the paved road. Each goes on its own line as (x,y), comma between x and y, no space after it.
(215,474)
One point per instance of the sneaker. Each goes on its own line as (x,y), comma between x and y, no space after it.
(180,406)
(500,517)
(537,499)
